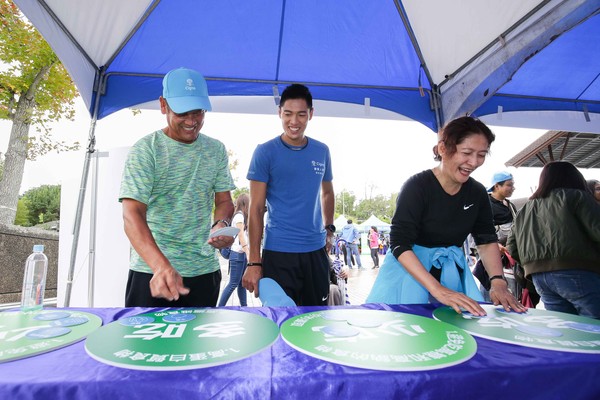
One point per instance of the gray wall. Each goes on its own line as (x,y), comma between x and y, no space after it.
(16,244)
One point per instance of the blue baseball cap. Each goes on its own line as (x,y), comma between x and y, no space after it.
(185,90)
(499,177)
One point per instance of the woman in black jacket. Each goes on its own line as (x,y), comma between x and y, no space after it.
(556,238)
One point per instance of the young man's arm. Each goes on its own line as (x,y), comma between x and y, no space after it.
(256,212)
(327,208)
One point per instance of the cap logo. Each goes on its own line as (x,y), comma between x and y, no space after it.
(189,84)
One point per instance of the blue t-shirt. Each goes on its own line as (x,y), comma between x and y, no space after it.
(293,178)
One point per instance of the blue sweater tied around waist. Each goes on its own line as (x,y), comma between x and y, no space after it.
(394,285)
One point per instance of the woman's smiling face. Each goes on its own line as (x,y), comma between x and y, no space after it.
(470,154)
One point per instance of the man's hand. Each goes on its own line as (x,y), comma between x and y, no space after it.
(251,277)
(218,242)
(167,284)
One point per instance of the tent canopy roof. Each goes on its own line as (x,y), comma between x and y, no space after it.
(580,149)
(340,222)
(382,57)
(373,221)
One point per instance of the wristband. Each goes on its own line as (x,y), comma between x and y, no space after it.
(254,264)
(219,220)
(497,277)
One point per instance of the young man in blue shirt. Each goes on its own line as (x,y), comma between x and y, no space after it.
(291,178)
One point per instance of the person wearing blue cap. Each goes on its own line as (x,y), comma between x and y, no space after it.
(503,211)
(501,188)
(291,174)
(172,179)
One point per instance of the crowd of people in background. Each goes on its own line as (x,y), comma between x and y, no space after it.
(177,211)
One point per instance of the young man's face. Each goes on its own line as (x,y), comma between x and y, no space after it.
(294,114)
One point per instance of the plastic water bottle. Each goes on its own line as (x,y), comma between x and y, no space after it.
(34,280)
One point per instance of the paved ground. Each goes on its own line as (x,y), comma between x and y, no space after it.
(359,283)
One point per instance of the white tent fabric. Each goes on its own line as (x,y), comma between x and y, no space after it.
(376,222)
(340,222)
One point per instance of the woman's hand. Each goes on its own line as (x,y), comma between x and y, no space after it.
(458,301)
(500,295)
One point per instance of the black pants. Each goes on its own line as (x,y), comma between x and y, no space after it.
(204,291)
(375,256)
(303,276)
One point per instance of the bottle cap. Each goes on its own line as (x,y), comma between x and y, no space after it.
(38,248)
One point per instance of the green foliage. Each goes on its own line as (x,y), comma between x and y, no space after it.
(22,217)
(43,203)
(379,206)
(345,203)
(236,193)
(233,162)
(32,72)
(359,210)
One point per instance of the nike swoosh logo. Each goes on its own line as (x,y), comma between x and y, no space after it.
(324,298)
(467,207)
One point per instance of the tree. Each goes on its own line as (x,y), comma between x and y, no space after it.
(344,203)
(379,206)
(35,90)
(237,191)
(22,217)
(43,204)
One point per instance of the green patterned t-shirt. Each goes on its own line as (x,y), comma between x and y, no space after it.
(177,182)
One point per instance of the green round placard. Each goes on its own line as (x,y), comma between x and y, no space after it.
(28,333)
(541,329)
(379,340)
(181,339)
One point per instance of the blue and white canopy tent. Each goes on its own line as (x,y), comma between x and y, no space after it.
(376,222)
(527,63)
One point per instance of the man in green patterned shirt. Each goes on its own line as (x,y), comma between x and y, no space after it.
(172,179)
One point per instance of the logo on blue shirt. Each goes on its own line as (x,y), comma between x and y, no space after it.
(318,167)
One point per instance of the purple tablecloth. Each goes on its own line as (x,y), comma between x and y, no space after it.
(498,370)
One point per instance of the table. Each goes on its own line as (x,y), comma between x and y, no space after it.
(497,370)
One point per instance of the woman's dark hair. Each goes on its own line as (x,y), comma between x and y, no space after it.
(591,184)
(457,130)
(296,91)
(241,204)
(559,175)
(374,228)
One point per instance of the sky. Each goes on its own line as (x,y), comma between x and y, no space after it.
(370,157)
